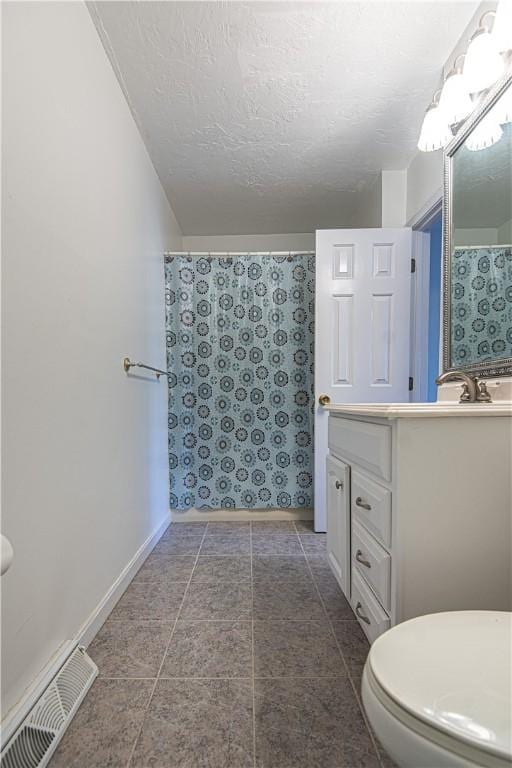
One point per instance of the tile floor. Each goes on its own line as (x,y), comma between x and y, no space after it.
(233,647)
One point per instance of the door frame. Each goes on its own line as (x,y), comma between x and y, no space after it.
(420,297)
(420,286)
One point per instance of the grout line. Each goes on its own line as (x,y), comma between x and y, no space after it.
(247,618)
(247,554)
(242,677)
(235,580)
(259,677)
(252,657)
(347,668)
(111,677)
(349,673)
(132,752)
(180,677)
(193,679)
(357,694)
(312,575)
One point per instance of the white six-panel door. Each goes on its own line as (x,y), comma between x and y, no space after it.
(362,322)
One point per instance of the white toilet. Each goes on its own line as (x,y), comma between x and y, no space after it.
(437,690)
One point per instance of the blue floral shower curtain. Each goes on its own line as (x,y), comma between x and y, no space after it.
(240,332)
(481,303)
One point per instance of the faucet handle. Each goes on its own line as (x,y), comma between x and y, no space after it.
(465,396)
(482,393)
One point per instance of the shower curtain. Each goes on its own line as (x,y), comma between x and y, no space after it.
(481,303)
(240,333)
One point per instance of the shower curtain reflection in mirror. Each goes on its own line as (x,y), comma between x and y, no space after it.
(240,334)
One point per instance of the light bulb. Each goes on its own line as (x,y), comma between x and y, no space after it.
(435,132)
(502,28)
(485,134)
(455,102)
(483,64)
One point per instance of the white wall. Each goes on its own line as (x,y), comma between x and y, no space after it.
(368,212)
(394,198)
(469,237)
(383,203)
(291,242)
(424,183)
(505,233)
(85,222)
(484,236)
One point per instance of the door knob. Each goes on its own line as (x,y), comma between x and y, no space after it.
(324,399)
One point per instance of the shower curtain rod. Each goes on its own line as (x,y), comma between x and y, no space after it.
(239,253)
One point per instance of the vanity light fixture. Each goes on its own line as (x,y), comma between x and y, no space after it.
(435,131)
(502,28)
(502,110)
(483,64)
(455,101)
(489,50)
(485,134)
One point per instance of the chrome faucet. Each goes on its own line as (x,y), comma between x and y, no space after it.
(473,391)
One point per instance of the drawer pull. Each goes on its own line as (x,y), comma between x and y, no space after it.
(363,504)
(361,615)
(360,559)
(339,485)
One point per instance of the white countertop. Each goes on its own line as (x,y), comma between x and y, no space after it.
(421,410)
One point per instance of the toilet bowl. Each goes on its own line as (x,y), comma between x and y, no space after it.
(437,690)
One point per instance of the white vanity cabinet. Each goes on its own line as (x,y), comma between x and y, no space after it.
(419,509)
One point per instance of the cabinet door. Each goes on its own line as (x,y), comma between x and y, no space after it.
(338,521)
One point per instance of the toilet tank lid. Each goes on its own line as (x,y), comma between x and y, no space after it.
(453,671)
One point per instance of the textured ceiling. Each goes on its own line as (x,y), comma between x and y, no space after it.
(267,117)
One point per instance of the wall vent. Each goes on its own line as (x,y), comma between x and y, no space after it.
(35,741)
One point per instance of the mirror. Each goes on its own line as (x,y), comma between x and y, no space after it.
(477,258)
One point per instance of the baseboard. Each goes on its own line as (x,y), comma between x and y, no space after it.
(227,515)
(85,634)
(93,624)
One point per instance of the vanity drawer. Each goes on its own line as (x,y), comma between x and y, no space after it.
(373,620)
(371,506)
(363,443)
(373,563)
